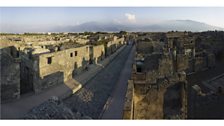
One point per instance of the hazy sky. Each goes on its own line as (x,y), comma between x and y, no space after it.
(35,17)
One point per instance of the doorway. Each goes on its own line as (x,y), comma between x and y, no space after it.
(26,82)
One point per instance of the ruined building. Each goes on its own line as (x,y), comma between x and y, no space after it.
(158,86)
(10,73)
(185,43)
(36,66)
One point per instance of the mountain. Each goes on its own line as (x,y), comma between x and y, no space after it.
(91,27)
(179,25)
(162,26)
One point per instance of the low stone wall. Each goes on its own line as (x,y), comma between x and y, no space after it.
(128,105)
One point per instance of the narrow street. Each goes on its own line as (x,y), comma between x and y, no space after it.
(114,107)
(91,99)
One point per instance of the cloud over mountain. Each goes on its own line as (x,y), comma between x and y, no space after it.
(131,17)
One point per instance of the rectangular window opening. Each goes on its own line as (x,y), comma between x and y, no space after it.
(49,60)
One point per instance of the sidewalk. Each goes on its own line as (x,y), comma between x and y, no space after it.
(16,109)
(84,77)
(81,79)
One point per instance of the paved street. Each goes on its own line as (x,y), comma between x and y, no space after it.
(114,108)
(91,99)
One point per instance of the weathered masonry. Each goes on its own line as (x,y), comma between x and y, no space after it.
(38,67)
(10,73)
(158,85)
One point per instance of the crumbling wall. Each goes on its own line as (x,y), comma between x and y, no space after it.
(27,74)
(58,67)
(61,66)
(165,67)
(48,81)
(169,101)
(144,47)
(119,41)
(10,75)
(112,46)
(64,61)
(200,63)
(158,89)
(181,62)
(148,105)
(210,60)
(190,66)
(98,53)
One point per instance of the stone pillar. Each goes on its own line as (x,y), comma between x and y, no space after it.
(68,74)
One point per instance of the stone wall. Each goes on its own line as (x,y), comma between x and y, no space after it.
(181,62)
(159,88)
(59,67)
(10,75)
(98,53)
(165,67)
(112,46)
(169,102)
(66,61)
(200,63)
(144,47)
(210,60)
(48,81)
(128,106)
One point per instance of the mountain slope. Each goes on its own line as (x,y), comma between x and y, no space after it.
(180,25)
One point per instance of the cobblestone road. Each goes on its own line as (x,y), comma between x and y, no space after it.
(90,99)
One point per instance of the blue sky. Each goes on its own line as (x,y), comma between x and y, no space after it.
(19,17)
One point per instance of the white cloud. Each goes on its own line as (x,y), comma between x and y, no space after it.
(130,17)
